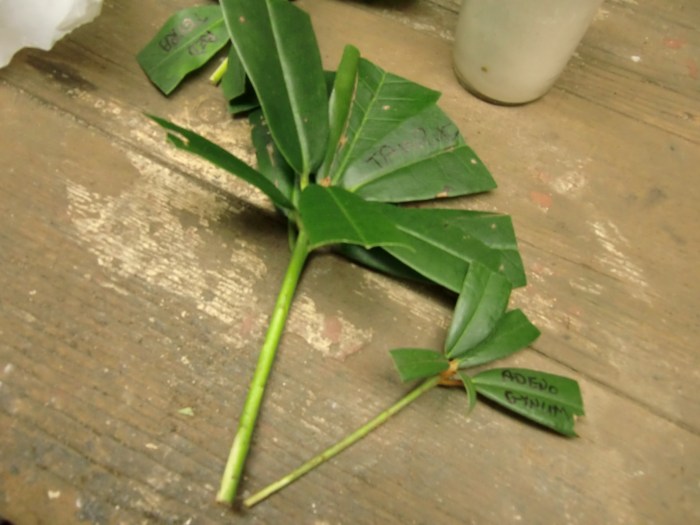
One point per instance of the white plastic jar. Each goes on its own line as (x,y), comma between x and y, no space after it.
(512,51)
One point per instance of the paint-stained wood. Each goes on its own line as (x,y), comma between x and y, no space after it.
(136,281)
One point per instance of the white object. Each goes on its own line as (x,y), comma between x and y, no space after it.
(512,51)
(40,23)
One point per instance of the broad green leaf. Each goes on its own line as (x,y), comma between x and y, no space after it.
(192,142)
(439,260)
(512,332)
(277,46)
(471,390)
(381,261)
(417,363)
(547,399)
(187,41)
(481,304)
(334,216)
(467,236)
(382,102)
(248,100)
(438,249)
(233,83)
(496,232)
(270,162)
(342,92)
(493,230)
(424,241)
(425,157)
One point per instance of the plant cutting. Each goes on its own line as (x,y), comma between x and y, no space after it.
(337,152)
(481,332)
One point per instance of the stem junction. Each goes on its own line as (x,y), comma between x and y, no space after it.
(343,444)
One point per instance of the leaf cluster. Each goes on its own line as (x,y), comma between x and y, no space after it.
(340,154)
(483,331)
(336,151)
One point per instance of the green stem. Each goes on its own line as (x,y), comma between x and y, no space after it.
(241,443)
(219,73)
(342,445)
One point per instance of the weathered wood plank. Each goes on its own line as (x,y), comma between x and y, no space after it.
(135,284)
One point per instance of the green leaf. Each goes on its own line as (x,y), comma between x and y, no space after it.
(470,389)
(248,100)
(425,157)
(233,83)
(277,46)
(421,239)
(382,102)
(245,102)
(187,41)
(236,86)
(190,141)
(512,332)
(481,304)
(439,249)
(335,216)
(547,399)
(381,261)
(186,411)
(270,162)
(416,363)
(493,230)
(342,92)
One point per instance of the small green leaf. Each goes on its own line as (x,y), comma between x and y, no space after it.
(186,411)
(471,390)
(342,92)
(513,332)
(481,304)
(190,141)
(417,363)
(187,41)
(270,162)
(547,399)
(236,86)
(233,83)
(276,44)
(335,216)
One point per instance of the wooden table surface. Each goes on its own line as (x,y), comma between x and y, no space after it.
(136,281)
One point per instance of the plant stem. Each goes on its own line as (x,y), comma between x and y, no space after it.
(219,72)
(241,443)
(343,444)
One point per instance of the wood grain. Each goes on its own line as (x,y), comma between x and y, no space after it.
(136,281)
